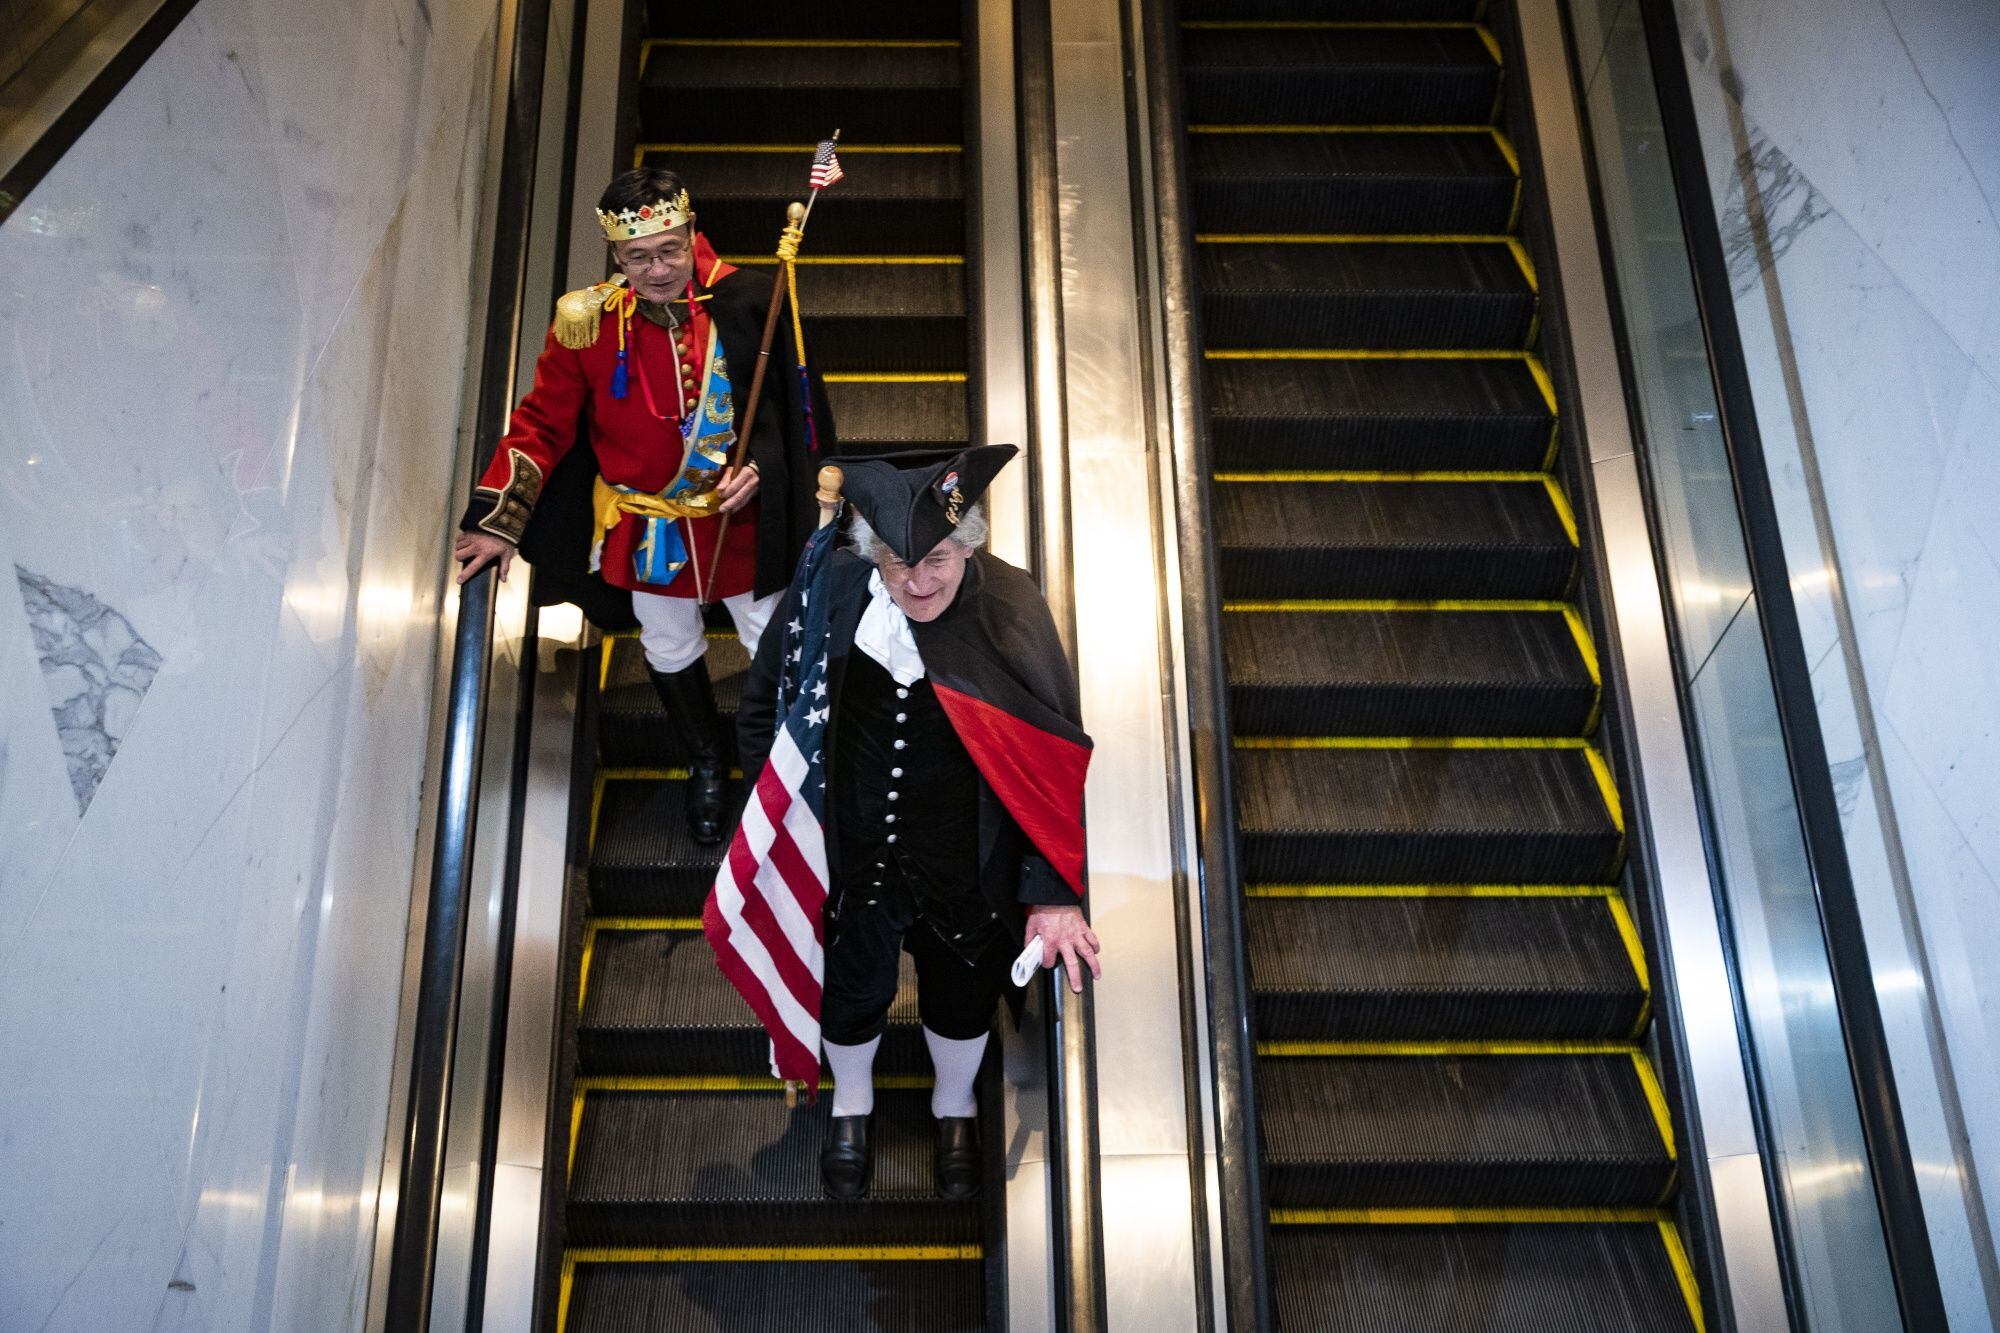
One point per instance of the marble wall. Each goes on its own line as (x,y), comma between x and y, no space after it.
(1854,154)
(232,339)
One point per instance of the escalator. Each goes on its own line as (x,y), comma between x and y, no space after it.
(693,1194)
(1460,1124)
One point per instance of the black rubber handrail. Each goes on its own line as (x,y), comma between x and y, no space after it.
(1891,1165)
(413,1252)
(48,103)
(1239,1178)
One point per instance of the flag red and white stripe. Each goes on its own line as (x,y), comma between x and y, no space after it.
(826,166)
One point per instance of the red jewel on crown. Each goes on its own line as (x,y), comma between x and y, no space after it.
(645,211)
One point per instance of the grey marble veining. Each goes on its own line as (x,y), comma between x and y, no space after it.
(97,669)
(1769,206)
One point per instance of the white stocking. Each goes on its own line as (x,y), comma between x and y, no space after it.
(853,1076)
(957,1064)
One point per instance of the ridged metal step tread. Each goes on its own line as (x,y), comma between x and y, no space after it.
(798,1295)
(1358,182)
(880,291)
(1481,1131)
(1355,414)
(1297,270)
(876,415)
(1405,673)
(848,20)
(1550,1278)
(657,1004)
(1338,11)
(739,1168)
(1333,50)
(685,71)
(1413,968)
(1367,76)
(1392,539)
(1420,816)
(890,177)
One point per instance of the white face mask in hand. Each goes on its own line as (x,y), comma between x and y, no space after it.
(1029,963)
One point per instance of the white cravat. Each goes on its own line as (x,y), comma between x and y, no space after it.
(884,634)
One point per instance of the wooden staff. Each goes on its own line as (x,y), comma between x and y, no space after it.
(795,217)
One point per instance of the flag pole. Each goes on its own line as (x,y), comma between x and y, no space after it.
(789,241)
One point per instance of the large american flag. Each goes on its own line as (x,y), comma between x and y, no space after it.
(763,916)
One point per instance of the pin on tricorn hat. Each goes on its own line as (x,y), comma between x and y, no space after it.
(914,498)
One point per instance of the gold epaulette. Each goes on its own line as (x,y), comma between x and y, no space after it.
(579,314)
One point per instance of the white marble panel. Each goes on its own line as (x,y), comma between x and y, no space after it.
(1914,164)
(232,340)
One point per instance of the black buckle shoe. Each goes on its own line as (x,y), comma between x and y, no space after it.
(958,1164)
(845,1162)
(705,796)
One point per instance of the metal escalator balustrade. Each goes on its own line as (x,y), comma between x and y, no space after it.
(694,1197)
(1460,1125)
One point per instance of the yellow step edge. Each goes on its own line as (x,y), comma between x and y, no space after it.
(1349,25)
(1315,604)
(1233,478)
(610,774)
(1564,514)
(1430,891)
(1656,1100)
(1628,931)
(1606,787)
(562,1299)
(825,261)
(1506,147)
(727,1254)
(659,923)
(723,1083)
(1677,1255)
(825,43)
(1433,1049)
(1411,743)
(1585,647)
(1336,128)
(1527,358)
(639,151)
(1306,1217)
(897,377)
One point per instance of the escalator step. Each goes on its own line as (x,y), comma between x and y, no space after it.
(643,862)
(1440,183)
(852,20)
(1413,968)
(883,317)
(1392,539)
(890,203)
(1553,1278)
(1405,673)
(1412,816)
(632,727)
(1378,76)
(878,416)
(1483,1131)
(1409,415)
(1333,11)
(804,1296)
(739,1168)
(1401,296)
(797,94)
(658,1004)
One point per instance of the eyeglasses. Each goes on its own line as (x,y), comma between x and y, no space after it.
(661,259)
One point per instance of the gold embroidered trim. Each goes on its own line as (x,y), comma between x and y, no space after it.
(513,503)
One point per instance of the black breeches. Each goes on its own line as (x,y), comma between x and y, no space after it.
(955,995)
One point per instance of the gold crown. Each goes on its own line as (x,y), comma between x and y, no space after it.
(629,224)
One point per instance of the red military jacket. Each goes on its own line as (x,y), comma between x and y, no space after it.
(637,439)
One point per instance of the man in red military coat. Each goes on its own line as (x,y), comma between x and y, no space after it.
(655,367)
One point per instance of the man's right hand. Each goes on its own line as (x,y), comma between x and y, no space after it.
(476,550)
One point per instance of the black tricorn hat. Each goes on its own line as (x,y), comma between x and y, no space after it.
(915,497)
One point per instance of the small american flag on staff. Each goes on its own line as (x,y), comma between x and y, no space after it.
(826,166)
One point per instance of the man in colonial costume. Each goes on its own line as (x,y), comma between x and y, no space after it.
(654,369)
(954,764)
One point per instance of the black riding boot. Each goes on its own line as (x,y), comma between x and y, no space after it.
(690,704)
